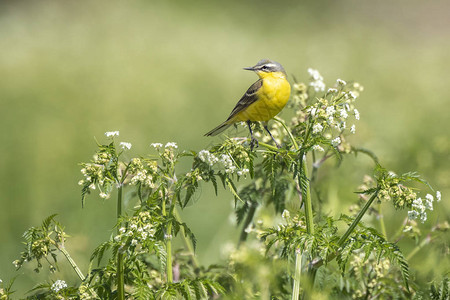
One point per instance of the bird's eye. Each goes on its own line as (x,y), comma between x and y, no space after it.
(264,68)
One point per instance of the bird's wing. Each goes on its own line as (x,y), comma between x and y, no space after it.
(249,97)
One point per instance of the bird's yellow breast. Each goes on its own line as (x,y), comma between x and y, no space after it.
(272,97)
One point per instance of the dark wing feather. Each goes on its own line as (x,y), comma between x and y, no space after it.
(249,97)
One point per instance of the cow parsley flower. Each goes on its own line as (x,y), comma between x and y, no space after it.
(317,128)
(341,82)
(171,145)
(336,142)
(58,285)
(112,134)
(316,80)
(318,148)
(125,146)
(156,145)
(356,112)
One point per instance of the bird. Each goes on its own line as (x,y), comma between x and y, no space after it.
(262,101)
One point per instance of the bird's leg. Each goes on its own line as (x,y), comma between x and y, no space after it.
(267,129)
(253,141)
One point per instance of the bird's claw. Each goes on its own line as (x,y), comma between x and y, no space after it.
(253,142)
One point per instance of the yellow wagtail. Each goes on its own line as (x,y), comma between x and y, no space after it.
(262,101)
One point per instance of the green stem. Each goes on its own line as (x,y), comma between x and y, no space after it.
(294,142)
(187,241)
(316,264)
(77,270)
(72,262)
(306,196)
(382,225)
(248,220)
(168,238)
(297,276)
(416,249)
(120,272)
(357,219)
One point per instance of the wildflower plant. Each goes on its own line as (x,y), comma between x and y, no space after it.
(287,249)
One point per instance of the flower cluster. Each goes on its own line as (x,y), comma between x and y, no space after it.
(142,172)
(97,173)
(329,114)
(419,207)
(111,134)
(168,155)
(58,285)
(316,80)
(370,272)
(137,231)
(232,160)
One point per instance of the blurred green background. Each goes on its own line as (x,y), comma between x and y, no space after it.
(163,71)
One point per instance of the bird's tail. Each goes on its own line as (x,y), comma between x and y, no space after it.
(219,129)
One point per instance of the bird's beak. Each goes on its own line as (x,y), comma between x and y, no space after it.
(250,68)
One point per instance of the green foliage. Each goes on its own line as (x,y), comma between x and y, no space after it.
(282,251)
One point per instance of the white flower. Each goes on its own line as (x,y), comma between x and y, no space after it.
(429,201)
(111,134)
(341,82)
(343,113)
(438,196)
(58,285)
(418,205)
(16,263)
(330,110)
(318,86)
(318,148)
(134,242)
(285,215)
(122,230)
(356,112)
(242,172)
(336,142)
(353,129)
(125,146)
(317,80)
(352,94)
(207,157)
(312,111)
(156,145)
(314,74)
(423,217)
(412,214)
(171,145)
(317,128)
(332,91)
(104,195)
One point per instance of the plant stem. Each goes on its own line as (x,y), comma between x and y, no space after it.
(358,218)
(416,249)
(187,241)
(317,263)
(306,196)
(297,276)
(303,182)
(120,272)
(168,238)
(294,142)
(248,219)
(383,227)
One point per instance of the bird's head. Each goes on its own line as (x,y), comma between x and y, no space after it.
(266,67)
